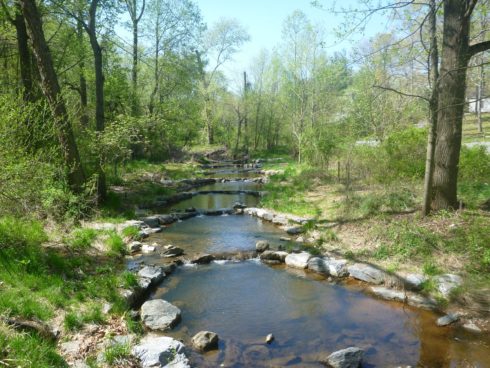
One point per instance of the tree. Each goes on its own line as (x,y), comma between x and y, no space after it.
(52,92)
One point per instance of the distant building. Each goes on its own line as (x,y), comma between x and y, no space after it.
(485,105)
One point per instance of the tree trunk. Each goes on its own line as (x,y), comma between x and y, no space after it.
(434,73)
(52,92)
(455,57)
(134,71)
(99,95)
(24,55)
(83,80)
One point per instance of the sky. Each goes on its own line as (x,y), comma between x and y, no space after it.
(263,20)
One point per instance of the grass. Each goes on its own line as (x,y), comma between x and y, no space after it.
(82,238)
(116,354)
(116,244)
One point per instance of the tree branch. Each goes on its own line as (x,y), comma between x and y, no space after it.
(478,47)
(401,93)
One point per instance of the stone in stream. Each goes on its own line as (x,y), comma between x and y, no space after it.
(317,264)
(262,246)
(134,246)
(415,281)
(269,338)
(270,255)
(447,319)
(161,351)
(205,341)
(147,248)
(159,314)
(172,251)
(202,259)
(298,260)
(413,299)
(294,230)
(152,221)
(346,358)
(366,273)
(154,274)
(447,283)
(337,267)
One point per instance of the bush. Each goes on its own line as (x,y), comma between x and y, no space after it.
(474,166)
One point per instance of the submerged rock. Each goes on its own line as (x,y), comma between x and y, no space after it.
(298,260)
(159,314)
(366,273)
(346,358)
(161,351)
(261,246)
(205,341)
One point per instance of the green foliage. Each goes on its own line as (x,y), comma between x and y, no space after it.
(116,244)
(129,280)
(82,238)
(72,322)
(474,165)
(131,232)
(116,354)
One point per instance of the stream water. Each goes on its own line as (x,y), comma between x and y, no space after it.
(309,317)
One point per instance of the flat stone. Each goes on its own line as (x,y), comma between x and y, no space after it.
(284,238)
(159,314)
(447,319)
(161,351)
(172,251)
(447,283)
(270,255)
(205,341)
(415,281)
(317,264)
(403,297)
(472,326)
(147,248)
(153,273)
(152,221)
(337,267)
(366,273)
(262,245)
(71,347)
(346,358)
(202,259)
(134,247)
(166,219)
(298,260)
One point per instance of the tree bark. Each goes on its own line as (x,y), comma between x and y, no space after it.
(52,92)
(455,57)
(24,55)
(82,80)
(434,74)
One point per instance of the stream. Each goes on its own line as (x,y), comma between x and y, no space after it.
(309,316)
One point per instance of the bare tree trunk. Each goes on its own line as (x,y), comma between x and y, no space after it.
(452,84)
(24,55)
(132,6)
(52,92)
(434,73)
(82,79)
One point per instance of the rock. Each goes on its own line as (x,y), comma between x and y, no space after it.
(270,255)
(447,283)
(172,251)
(448,319)
(269,338)
(346,358)
(147,231)
(147,248)
(169,268)
(403,297)
(284,238)
(152,221)
(161,351)
(71,348)
(317,264)
(134,247)
(166,219)
(152,273)
(261,246)
(159,314)
(294,230)
(144,283)
(298,260)
(300,239)
(337,267)
(280,220)
(80,364)
(366,273)
(472,326)
(202,259)
(415,281)
(106,308)
(205,341)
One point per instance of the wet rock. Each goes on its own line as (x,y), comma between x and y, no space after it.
(172,251)
(161,351)
(262,245)
(205,341)
(471,326)
(448,319)
(269,338)
(294,230)
(300,239)
(337,267)
(270,255)
(147,231)
(317,264)
(154,274)
(284,238)
(366,273)
(134,247)
(298,260)
(147,248)
(165,219)
(404,297)
(280,220)
(346,358)
(415,281)
(152,221)
(447,283)
(159,314)
(202,259)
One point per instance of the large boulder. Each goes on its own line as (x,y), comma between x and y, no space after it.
(159,314)
(161,351)
(447,283)
(366,273)
(262,246)
(346,358)
(205,341)
(298,260)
